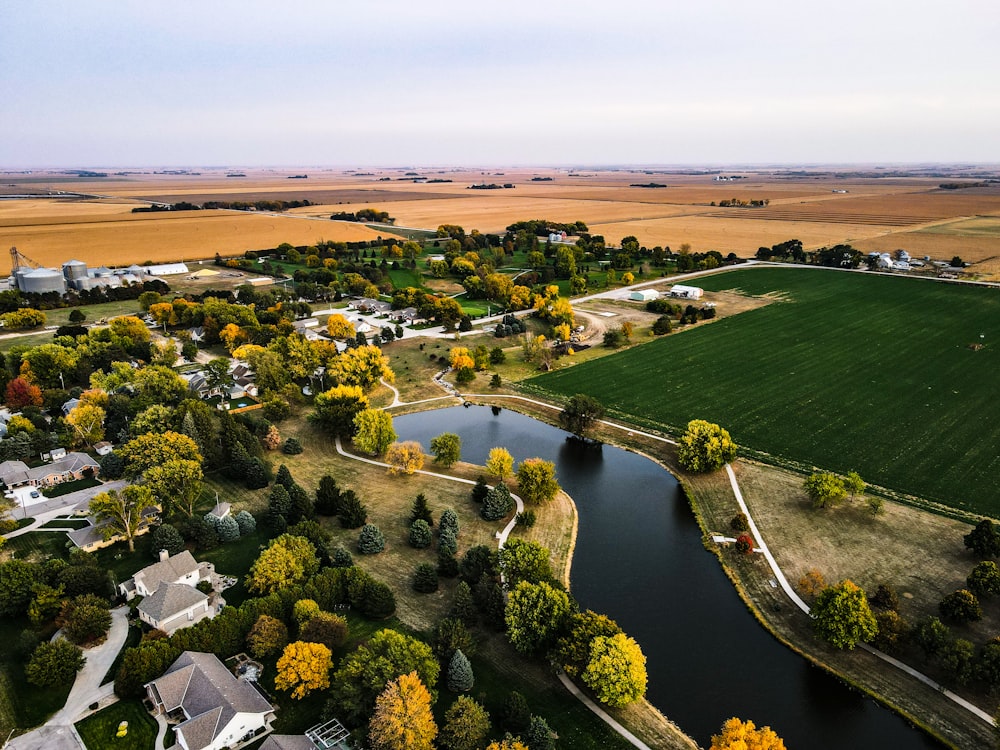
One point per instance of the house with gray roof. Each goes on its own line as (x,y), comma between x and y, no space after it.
(213,709)
(72,466)
(93,537)
(174,606)
(181,568)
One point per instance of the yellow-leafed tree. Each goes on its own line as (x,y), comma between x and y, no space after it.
(407,457)
(403,719)
(363,366)
(460,357)
(500,463)
(507,745)
(617,670)
(339,327)
(740,735)
(304,667)
(87,423)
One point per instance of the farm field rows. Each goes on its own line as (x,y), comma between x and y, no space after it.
(850,371)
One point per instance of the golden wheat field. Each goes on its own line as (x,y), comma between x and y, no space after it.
(870,210)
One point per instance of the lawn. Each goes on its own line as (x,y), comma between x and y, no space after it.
(21,703)
(816,378)
(99,731)
(65,488)
(38,546)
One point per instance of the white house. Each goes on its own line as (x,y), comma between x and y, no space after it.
(214,709)
(686,292)
(175,606)
(643,295)
(181,568)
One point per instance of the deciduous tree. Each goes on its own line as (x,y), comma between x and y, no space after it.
(146,451)
(825,489)
(581,414)
(374,431)
(984,580)
(268,635)
(121,511)
(336,409)
(54,663)
(286,561)
(339,327)
(85,618)
(363,366)
(740,735)
(329,629)
(87,422)
(176,483)
(403,719)
(447,448)
(406,457)
(466,725)
(500,463)
(303,667)
(705,447)
(524,560)
(961,606)
(536,614)
(21,393)
(842,617)
(536,480)
(616,671)
(984,540)
(573,649)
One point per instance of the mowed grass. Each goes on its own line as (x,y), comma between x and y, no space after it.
(100,730)
(849,371)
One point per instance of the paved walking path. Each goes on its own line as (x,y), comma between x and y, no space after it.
(58,732)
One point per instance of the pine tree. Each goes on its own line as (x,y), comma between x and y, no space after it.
(460,675)
(327,497)
(279,506)
(539,735)
(449,520)
(425,580)
(341,558)
(480,491)
(284,478)
(463,608)
(371,540)
(353,513)
(420,510)
(515,716)
(447,565)
(446,542)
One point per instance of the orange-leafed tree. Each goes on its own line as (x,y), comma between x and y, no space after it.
(403,719)
(20,393)
(304,667)
(743,735)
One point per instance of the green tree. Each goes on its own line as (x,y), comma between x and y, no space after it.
(461,678)
(958,659)
(616,671)
(303,668)
(705,447)
(371,541)
(500,463)
(420,511)
(842,617)
(524,560)
(447,449)
(825,489)
(54,663)
(403,719)
(85,618)
(931,635)
(539,734)
(425,579)
(467,725)
(573,649)
(146,451)
(961,606)
(329,629)
(17,579)
(336,409)
(268,636)
(449,521)
(984,540)
(353,513)
(498,503)
(176,483)
(374,431)
(420,534)
(984,580)
(121,512)
(536,480)
(854,484)
(581,414)
(288,560)
(536,614)
(327,497)
(366,671)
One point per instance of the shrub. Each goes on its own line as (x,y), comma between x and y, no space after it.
(526,519)
(744,544)
(465,375)
(370,541)
(341,557)
(291,447)
(425,580)
(420,534)
(740,522)
(246,522)
(885,598)
(497,504)
(961,607)
(662,325)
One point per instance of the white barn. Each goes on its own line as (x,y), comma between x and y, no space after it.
(686,292)
(643,295)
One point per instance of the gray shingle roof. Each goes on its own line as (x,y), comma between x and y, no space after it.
(169,600)
(170,570)
(288,742)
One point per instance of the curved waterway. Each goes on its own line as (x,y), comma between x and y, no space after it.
(639,559)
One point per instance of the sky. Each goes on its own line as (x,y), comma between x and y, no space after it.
(509,82)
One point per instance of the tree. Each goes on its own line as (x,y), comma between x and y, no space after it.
(420,511)
(744,544)
(539,734)
(581,414)
(366,671)
(21,393)
(268,635)
(854,484)
(466,725)
(371,541)
(329,629)
(500,463)
(176,483)
(961,607)
(498,503)
(363,366)
(353,513)
(842,617)
(931,635)
(87,422)
(304,667)
(403,719)
(876,505)
(85,618)
(507,744)
(523,560)
(167,537)
(515,715)
(984,540)
(825,489)
(304,610)
(662,325)
(246,523)
(374,431)
(406,457)
(705,447)
(449,521)
(536,480)
(447,449)
(288,560)
(336,409)
(616,671)
(460,675)
(327,497)
(121,512)
(739,735)
(279,506)
(958,659)
(339,327)
(420,534)
(573,649)
(54,663)
(984,580)
(425,579)
(146,451)
(536,614)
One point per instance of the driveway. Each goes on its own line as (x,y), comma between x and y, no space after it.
(58,732)
(52,507)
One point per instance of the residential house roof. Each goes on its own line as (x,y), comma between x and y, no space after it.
(288,742)
(208,693)
(170,600)
(17,472)
(170,570)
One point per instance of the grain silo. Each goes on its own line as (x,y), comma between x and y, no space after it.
(42,280)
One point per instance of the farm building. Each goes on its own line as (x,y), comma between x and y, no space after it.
(686,292)
(643,295)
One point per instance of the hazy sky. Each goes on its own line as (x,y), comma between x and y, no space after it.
(432,82)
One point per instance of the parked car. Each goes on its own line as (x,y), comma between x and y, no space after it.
(36,493)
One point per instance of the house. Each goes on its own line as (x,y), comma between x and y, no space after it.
(686,292)
(197,334)
(221,510)
(884,261)
(181,568)
(330,735)
(70,406)
(643,295)
(406,315)
(91,538)
(213,708)
(72,466)
(175,606)
(372,306)
(103,448)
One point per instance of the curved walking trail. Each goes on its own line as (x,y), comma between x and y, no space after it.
(778,574)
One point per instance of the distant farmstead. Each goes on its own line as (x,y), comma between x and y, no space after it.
(643,295)
(686,292)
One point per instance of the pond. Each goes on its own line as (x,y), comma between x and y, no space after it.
(639,559)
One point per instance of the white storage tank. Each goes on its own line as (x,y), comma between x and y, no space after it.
(42,280)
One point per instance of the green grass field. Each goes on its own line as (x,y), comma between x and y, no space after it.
(848,371)
(100,730)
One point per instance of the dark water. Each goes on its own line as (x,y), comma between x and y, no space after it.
(639,559)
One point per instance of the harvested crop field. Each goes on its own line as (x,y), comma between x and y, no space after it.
(817,378)
(135,238)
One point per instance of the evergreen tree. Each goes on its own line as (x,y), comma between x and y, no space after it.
(447,565)
(420,534)
(539,735)
(463,607)
(460,675)
(371,540)
(284,478)
(420,511)
(353,513)
(256,475)
(341,558)
(327,497)
(246,522)
(481,489)
(302,504)
(498,503)
(449,520)
(515,715)
(447,542)
(279,505)
(425,580)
